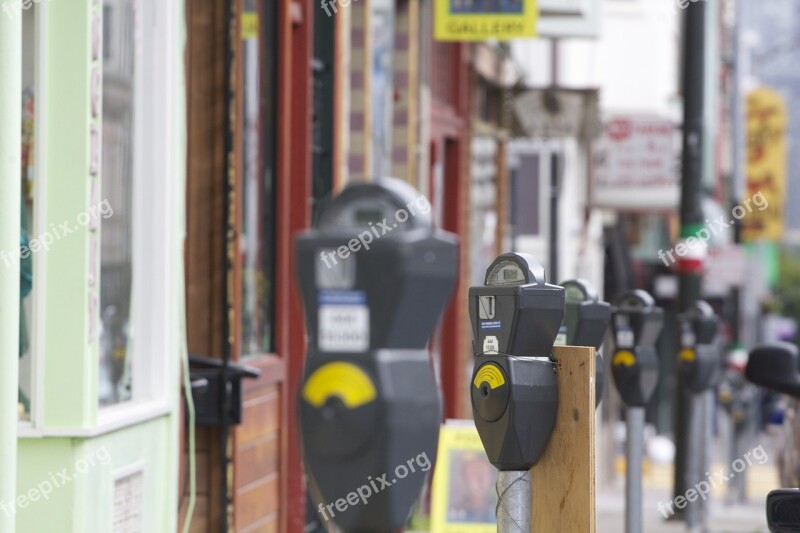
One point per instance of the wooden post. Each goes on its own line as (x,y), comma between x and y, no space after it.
(563,483)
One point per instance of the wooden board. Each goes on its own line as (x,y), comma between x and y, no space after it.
(563,483)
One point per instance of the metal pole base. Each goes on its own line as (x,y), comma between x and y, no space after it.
(633,469)
(513,502)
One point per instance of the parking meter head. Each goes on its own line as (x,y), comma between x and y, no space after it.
(699,358)
(783,510)
(515,318)
(637,325)
(375,242)
(586,320)
(775,366)
(516,312)
(375,276)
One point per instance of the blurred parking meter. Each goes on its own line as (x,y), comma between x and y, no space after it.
(637,326)
(739,398)
(515,319)
(375,276)
(776,366)
(699,358)
(585,323)
(700,367)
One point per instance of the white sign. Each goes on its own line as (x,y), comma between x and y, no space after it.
(343,328)
(491,345)
(636,165)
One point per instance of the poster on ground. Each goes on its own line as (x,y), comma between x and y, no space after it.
(464,498)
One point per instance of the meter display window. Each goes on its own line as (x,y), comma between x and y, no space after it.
(506,273)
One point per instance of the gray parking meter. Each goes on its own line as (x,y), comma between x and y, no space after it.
(515,318)
(585,323)
(637,325)
(699,357)
(375,276)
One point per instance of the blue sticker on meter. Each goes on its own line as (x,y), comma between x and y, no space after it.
(329,297)
(343,321)
(491,324)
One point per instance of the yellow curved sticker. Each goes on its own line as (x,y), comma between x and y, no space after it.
(345,380)
(687,354)
(491,374)
(624,357)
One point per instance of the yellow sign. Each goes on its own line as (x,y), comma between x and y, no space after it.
(463,496)
(766,167)
(624,357)
(490,374)
(477,20)
(687,354)
(249,25)
(345,380)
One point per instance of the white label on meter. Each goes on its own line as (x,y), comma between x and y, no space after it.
(490,345)
(625,338)
(343,321)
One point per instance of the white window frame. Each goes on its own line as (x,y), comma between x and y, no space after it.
(151,319)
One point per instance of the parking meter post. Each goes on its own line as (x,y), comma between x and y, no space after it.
(700,369)
(637,325)
(515,317)
(369,400)
(634,452)
(513,501)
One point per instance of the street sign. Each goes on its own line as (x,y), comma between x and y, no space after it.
(478,20)
(636,165)
(766,164)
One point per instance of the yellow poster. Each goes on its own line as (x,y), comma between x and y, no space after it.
(766,165)
(477,20)
(464,498)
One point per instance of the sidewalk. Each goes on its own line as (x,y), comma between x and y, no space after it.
(737,518)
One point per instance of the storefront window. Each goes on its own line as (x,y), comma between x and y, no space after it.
(257,244)
(116,257)
(27,232)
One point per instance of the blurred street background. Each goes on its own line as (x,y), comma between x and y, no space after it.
(158,161)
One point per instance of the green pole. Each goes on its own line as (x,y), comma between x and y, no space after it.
(10,180)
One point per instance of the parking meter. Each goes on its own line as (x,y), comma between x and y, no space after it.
(515,318)
(699,358)
(375,276)
(637,325)
(585,322)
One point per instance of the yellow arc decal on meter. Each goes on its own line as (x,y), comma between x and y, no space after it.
(687,354)
(490,374)
(624,357)
(345,380)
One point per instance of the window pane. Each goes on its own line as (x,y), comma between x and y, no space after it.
(26,206)
(257,208)
(117,186)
